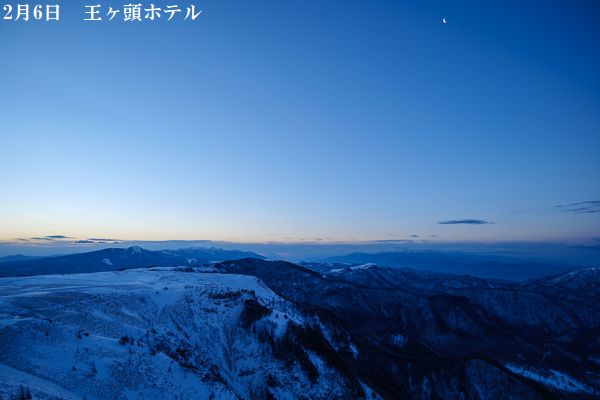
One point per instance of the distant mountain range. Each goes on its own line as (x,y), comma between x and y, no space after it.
(18,257)
(114,259)
(484,266)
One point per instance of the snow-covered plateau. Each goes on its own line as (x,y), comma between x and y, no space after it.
(252,328)
(152,334)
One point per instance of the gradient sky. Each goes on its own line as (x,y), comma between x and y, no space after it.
(304,120)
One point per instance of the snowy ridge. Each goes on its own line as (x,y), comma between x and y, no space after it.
(363,267)
(153,333)
(552,378)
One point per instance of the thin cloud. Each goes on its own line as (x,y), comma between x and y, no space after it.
(582,207)
(464,222)
(65,240)
(50,237)
(388,241)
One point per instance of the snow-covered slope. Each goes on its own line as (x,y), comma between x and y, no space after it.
(160,333)
(218,331)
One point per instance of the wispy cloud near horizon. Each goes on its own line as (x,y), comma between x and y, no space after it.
(582,207)
(63,240)
(464,222)
(49,237)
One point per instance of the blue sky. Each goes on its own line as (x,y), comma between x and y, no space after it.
(293,121)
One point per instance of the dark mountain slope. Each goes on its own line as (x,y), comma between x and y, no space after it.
(432,328)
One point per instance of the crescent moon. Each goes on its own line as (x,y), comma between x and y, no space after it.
(444,21)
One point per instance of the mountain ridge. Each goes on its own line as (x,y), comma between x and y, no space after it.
(112,259)
(481,265)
